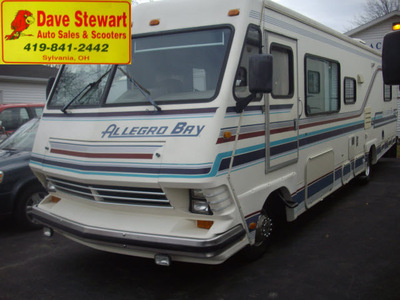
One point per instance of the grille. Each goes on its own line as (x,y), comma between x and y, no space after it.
(113,194)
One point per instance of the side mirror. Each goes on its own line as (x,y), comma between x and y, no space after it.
(391,58)
(260,79)
(50,83)
(260,73)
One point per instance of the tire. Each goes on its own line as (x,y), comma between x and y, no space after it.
(31,196)
(365,177)
(265,232)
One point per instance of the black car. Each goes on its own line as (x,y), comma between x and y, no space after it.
(19,188)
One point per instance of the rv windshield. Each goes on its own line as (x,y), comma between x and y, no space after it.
(176,67)
(80,85)
(166,68)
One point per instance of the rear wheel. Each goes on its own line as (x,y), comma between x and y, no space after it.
(365,177)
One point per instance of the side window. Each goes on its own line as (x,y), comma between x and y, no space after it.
(350,90)
(282,71)
(314,82)
(251,46)
(388,93)
(322,85)
(12,118)
(38,111)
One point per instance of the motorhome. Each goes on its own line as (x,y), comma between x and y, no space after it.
(235,115)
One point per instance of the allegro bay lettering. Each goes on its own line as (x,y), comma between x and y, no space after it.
(180,129)
(81,19)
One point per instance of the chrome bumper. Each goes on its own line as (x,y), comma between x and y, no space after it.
(190,247)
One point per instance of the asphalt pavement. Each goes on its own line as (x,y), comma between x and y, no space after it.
(346,247)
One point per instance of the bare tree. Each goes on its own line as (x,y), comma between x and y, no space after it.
(374,9)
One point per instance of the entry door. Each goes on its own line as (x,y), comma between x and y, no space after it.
(282,105)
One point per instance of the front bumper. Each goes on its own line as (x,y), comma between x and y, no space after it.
(147,245)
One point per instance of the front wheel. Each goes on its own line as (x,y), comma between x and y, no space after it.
(265,231)
(30,197)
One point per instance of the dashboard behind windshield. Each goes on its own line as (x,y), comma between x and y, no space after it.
(177,67)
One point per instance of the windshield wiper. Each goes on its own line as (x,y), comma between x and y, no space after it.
(87,88)
(144,92)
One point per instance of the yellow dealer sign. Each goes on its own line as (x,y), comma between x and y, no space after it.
(65,32)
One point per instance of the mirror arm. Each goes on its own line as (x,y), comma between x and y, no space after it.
(242,103)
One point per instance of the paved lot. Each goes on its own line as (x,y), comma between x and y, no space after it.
(347,247)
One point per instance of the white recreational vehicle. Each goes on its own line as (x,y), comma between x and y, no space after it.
(234,115)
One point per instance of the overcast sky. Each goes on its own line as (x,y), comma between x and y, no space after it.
(337,14)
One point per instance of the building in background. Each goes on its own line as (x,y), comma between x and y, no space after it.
(24,83)
(372,34)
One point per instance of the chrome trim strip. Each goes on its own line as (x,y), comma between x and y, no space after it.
(151,197)
(133,198)
(150,242)
(130,191)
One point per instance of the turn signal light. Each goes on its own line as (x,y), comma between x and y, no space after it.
(396,26)
(204,224)
(55,199)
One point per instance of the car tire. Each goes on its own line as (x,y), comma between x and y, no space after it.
(31,196)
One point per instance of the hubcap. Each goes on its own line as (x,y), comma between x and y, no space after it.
(264,229)
(32,201)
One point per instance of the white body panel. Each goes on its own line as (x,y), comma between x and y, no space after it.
(275,145)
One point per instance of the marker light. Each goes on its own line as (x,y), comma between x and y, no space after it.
(227,135)
(252,226)
(1,176)
(154,22)
(396,26)
(233,12)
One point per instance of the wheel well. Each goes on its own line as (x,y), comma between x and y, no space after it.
(275,205)
(22,189)
(372,155)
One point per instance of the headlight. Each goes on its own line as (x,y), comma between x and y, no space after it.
(210,201)
(198,204)
(1,176)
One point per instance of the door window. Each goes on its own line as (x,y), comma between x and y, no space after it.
(14,117)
